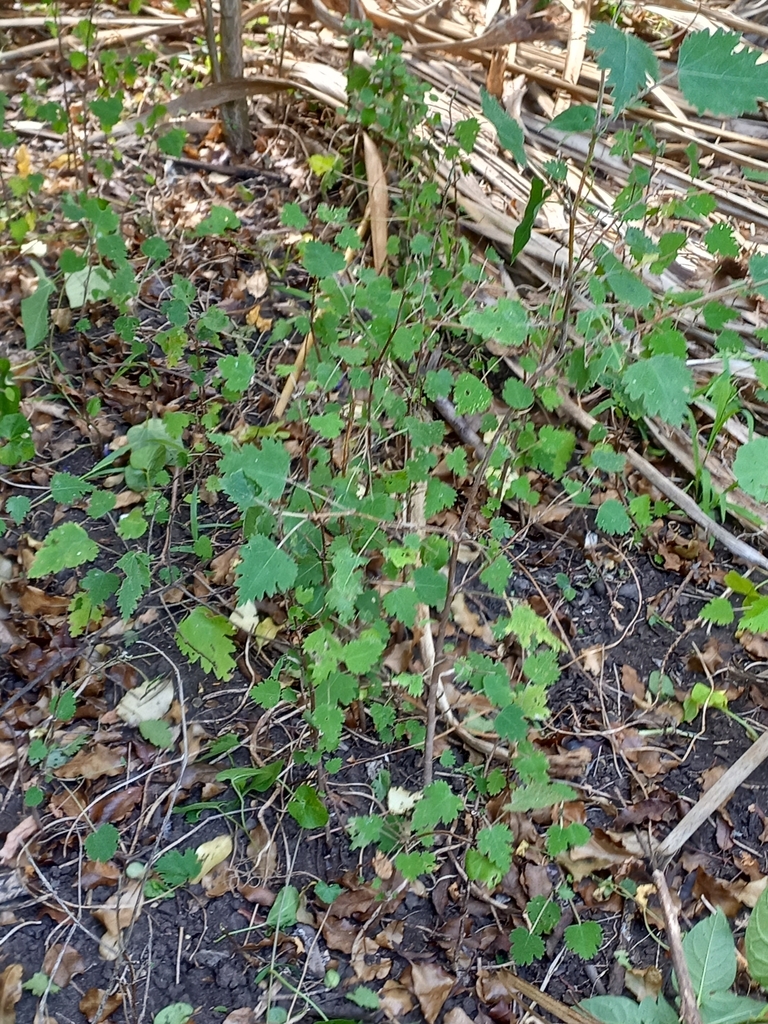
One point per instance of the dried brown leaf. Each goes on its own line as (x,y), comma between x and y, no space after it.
(432,985)
(16,839)
(94,762)
(97,1005)
(61,963)
(262,851)
(395,1000)
(643,983)
(378,201)
(10,992)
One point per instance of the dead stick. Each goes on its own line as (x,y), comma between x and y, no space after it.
(721,792)
(689,1007)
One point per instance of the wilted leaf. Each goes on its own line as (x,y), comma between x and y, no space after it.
(93,763)
(150,701)
(211,854)
(97,1005)
(117,913)
(432,985)
(61,963)
(16,839)
(263,853)
(10,992)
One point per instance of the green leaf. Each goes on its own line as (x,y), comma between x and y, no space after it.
(34,796)
(237,371)
(66,489)
(718,611)
(728,1008)
(322,260)
(175,1013)
(431,586)
(365,997)
(525,947)
(509,131)
(562,837)
(630,63)
(39,984)
(584,939)
(135,565)
(177,868)
(495,841)
(265,569)
(101,845)
(715,77)
(510,724)
(578,118)
(157,732)
(282,913)
(517,395)
(751,468)
(540,794)
(64,706)
(132,525)
(66,547)
(756,941)
(34,308)
(365,830)
(710,953)
(438,804)
(205,638)
(362,654)
(506,323)
(402,604)
(411,865)
(614,1010)
(524,229)
(543,913)
(18,507)
(719,240)
(292,216)
(471,395)
(307,809)
(496,575)
(663,386)
(625,285)
(327,892)
(219,220)
(612,518)
(758,269)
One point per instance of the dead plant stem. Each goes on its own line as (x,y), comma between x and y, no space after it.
(689,1007)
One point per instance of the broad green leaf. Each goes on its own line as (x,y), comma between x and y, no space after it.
(282,913)
(729,1008)
(613,1009)
(307,809)
(205,639)
(411,865)
(322,260)
(631,64)
(365,997)
(438,804)
(431,586)
(510,724)
(578,118)
(18,507)
(662,385)
(517,395)
(758,269)
(174,1013)
(562,837)
(710,953)
(612,518)
(509,131)
(756,941)
(219,220)
(34,309)
(66,488)
(362,654)
(718,611)
(39,984)
(543,913)
(157,732)
(625,285)
(265,569)
(101,845)
(540,794)
(471,395)
(525,947)
(177,868)
(536,198)
(715,77)
(66,547)
(584,939)
(506,322)
(751,468)
(495,841)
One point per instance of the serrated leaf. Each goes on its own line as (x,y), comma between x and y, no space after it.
(663,386)
(265,570)
(177,868)
(157,732)
(322,260)
(205,638)
(562,837)
(101,845)
(135,565)
(439,804)
(751,468)
(362,654)
(584,939)
(525,947)
(430,585)
(543,913)
(411,865)
(66,488)
(495,841)
(630,63)
(714,76)
(718,611)
(506,323)
(66,547)
(540,794)
(578,118)
(365,997)
(612,518)
(471,395)
(509,131)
